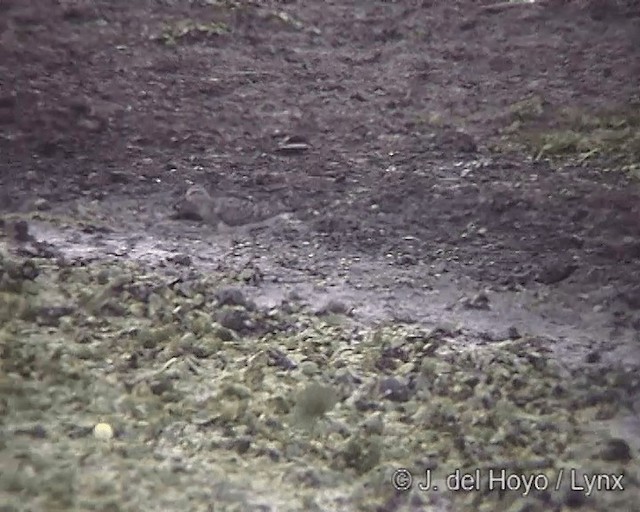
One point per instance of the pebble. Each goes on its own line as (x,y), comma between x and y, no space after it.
(41,204)
(103,431)
(616,450)
(394,389)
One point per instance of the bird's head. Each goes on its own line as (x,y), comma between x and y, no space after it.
(197,194)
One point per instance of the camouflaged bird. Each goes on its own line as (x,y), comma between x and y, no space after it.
(231,213)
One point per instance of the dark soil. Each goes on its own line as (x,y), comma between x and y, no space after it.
(398,102)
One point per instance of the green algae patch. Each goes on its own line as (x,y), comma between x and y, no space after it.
(120,390)
(608,136)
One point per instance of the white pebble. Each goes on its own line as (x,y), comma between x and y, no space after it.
(103,431)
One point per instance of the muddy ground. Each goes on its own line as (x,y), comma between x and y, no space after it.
(458,288)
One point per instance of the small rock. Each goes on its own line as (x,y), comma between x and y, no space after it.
(364,405)
(574,498)
(242,444)
(41,204)
(406,260)
(394,389)
(334,307)
(103,431)
(161,386)
(118,176)
(593,357)
(295,295)
(554,273)
(616,450)
(278,359)
(233,297)
(234,318)
(50,315)
(180,259)
(513,333)
(459,141)
(20,231)
(292,145)
(225,334)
